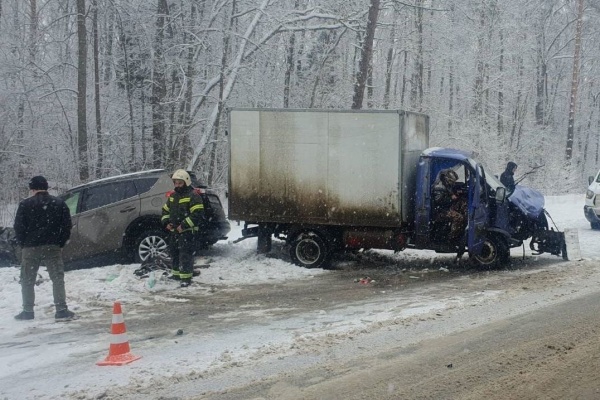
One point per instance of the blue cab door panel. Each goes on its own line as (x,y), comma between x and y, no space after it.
(423,203)
(478,212)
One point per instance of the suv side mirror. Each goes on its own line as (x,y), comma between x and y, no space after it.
(590,180)
(500,194)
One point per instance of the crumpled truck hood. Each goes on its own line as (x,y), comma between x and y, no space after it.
(528,200)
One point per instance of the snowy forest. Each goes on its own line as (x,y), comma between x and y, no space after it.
(95,88)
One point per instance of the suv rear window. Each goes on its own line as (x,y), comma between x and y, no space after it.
(144,184)
(213,206)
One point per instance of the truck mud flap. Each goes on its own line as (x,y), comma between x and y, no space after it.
(572,245)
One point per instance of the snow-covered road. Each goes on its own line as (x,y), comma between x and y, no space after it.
(247,328)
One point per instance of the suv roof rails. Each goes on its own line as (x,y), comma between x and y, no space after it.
(122,176)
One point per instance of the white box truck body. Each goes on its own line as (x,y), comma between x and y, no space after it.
(350,168)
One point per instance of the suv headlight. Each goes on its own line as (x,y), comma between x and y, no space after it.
(589,194)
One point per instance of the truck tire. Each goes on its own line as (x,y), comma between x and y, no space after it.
(595,225)
(150,243)
(310,250)
(495,252)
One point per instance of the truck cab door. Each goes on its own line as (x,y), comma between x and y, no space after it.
(478,212)
(423,203)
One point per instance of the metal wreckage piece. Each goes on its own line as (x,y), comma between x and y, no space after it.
(154,263)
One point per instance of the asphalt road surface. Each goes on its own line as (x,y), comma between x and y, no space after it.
(550,353)
(537,336)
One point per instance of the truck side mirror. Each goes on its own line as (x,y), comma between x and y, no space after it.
(500,194)
(590,180)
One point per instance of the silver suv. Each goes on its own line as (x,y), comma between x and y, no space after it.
(122,214)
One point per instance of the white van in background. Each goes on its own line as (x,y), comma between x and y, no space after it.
(592,201)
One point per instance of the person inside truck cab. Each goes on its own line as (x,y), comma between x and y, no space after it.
(450,204)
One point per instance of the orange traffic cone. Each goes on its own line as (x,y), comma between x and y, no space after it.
(118,353)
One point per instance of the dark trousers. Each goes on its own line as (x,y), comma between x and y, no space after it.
(181,248)
(31,260)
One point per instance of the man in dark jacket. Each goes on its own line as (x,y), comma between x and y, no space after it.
(42,228)
(183,216)
(508,176)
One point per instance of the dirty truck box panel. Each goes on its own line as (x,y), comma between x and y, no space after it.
(324,167)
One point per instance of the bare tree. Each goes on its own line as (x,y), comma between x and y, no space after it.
(232,74)
(480,74)
(159,89)
(291,50)
(416,92)
(574,81)
(82,92)
(500,113)
(389,62)
(220,104)
(366,55)
(96,50)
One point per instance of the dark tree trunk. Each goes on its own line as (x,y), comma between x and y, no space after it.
(108,48)
(417,84)
(479,78)
(574,82)
(180,146)
(541,79)
(100,158)
(289,65)
(450,96)
(82,92)
(288,71)
(128,91)
(213,165)
(500,118)
(159,90)
(365,57)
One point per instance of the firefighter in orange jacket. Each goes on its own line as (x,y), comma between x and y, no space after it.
(183,215)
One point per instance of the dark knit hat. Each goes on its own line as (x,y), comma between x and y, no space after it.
(38,183)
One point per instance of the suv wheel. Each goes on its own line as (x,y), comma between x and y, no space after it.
(151,243)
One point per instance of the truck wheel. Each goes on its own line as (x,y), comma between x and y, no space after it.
(150,243)
(310,250)
(495,252)
(595,225)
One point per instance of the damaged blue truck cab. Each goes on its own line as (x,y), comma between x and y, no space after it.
(488,231)
(497,220)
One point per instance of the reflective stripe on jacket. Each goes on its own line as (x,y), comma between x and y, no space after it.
(184,208)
